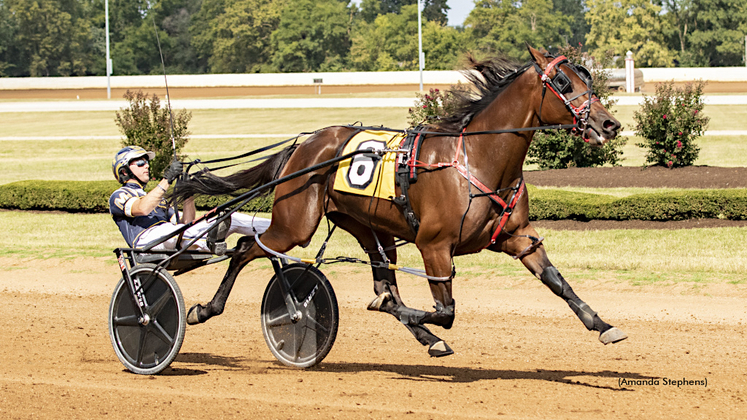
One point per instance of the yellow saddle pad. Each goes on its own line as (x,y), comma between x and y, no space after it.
(364,175)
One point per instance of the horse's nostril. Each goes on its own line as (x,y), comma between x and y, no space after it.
(609,124)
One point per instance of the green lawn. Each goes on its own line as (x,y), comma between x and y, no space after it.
(90,159)
(630,256)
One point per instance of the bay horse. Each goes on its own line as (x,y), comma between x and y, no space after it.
(469,182)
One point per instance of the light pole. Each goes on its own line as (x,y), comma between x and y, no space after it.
(108,60)
(420,46)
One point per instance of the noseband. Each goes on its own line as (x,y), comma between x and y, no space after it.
(560,84)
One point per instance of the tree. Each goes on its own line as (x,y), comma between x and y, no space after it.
(313,35)
(234,36)
(575,11)
(717,37)
(8,50)
(433,10)
(629,25)
(39,28)
(505,27)
(390,42)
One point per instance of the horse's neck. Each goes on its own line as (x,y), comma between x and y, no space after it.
(499,157)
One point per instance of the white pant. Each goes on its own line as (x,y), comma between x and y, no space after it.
(240,223)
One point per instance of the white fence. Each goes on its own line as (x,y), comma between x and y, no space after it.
(650,75)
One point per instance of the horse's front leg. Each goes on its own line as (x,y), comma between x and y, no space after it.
(535,259)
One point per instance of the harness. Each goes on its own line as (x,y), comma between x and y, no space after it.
(560,85)
(407,174)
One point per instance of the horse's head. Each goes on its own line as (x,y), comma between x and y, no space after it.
(568,98)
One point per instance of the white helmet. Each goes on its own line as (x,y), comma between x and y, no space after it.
(121,162)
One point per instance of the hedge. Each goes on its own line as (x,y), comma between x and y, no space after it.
(88,197)
(92,197)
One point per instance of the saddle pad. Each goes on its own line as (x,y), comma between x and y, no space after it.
(364,175)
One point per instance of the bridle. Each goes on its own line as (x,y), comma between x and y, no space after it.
(561,84)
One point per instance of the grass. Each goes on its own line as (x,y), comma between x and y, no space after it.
(635,257)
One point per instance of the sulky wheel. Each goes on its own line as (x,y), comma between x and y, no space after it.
(147,346)
(305,338)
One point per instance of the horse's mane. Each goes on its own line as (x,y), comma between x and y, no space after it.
(488,79)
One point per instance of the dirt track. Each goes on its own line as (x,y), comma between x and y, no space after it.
(520,353)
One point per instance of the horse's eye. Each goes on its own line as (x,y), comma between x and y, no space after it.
(562,82)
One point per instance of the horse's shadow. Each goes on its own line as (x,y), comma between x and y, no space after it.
(469,375)
(447,374)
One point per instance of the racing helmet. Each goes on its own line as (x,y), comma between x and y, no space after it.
(121,162)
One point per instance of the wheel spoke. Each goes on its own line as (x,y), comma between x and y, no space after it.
(283,319)
(299,336)
(317,325)
(147,280)
(159,332)
(126,321)
(141,347)
(155,309)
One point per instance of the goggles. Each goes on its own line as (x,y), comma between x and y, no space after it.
(140,162)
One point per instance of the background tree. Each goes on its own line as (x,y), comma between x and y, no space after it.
(313,35)
(40,26)
(504,27)
(234,36)
(433,10)
(717,37)
(575,11)
(629,25)
(389,43)
(9,53)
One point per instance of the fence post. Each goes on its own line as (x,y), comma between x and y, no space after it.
(629,72)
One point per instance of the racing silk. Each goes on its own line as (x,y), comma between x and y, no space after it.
(120,207)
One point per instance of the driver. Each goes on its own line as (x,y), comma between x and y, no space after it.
(144,217)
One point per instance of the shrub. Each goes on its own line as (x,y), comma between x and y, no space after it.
(90,197)
(670,122)
(430,107)
(146,124)
(559,149)
(545,204)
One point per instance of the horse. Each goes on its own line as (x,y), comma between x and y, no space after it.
(469,195)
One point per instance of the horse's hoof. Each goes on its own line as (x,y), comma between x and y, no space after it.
(612,335)
(440,349)
(192,317)
(379,301)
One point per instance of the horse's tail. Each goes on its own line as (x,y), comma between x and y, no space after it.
(205,183)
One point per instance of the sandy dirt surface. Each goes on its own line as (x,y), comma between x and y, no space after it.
(520,352)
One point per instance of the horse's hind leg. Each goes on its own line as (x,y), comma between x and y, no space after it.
(535,259)
(387,298)
(295,218)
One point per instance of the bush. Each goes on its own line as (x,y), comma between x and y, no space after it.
(545,204)
(430,107)
(90,197)
(670,122)
(559,149)
(144,123)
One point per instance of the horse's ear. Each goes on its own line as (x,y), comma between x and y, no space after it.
(537,56)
